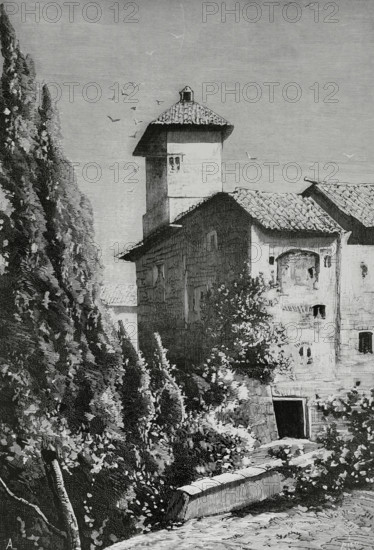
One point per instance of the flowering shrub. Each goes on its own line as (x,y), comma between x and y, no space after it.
(206,447)
(201,447)
(180,447)
(348,458)
(238,330)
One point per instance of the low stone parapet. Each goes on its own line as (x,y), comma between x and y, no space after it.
(231,491)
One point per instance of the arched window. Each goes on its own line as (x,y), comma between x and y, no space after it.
(298,268)
(364,269)
(319,311)
(305,353)
(365,342)
(327,260)
(212,241)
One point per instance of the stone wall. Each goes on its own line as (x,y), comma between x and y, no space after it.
(171,192)
(325,355)
(231,491)
(224,493)
(188,264)
(357,307)
(256,411)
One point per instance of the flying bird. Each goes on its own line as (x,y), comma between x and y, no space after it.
(134,135)
(177,36)
(249,156)
(137,121)
(133,108)
(113,119)
(349,156)
(159,101)
(150,53)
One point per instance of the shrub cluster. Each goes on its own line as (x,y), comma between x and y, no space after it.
(347,461)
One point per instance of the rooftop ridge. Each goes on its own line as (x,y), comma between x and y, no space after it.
(276,211)
(190,112)
(322,182)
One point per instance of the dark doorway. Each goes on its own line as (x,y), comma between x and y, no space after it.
(289,414)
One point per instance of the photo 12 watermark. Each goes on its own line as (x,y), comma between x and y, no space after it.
(89,92)
(71,12)
(118,172)
(269,12)
(268,172)
(270,92)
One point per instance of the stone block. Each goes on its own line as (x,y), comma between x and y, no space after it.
(231,491)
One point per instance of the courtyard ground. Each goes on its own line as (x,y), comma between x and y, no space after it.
(349,526)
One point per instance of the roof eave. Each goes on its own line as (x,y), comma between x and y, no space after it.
(153,128)
(132,255)
(350,218)
(136,253)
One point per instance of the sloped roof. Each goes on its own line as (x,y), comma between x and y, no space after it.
(184,113)
(285,211)
(276,211)
(119,295)
(356,200)
(190,112)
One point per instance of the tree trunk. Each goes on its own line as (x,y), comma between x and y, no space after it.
(68,515)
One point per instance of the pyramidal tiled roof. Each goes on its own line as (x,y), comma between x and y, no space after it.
(186,112)
(190,112)
(285,211)
(356,200)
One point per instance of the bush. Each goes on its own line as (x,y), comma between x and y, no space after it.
(348,457)
(200,447)
(183,447)
(239,332)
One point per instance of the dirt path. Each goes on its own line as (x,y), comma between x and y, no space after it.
(346,527)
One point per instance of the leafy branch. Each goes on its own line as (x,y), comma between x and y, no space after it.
(36,509)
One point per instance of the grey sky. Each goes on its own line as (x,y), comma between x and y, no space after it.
(310,52)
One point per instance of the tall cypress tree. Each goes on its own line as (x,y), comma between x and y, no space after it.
(60,360)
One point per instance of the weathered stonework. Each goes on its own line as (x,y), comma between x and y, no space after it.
(320,255)
(232,491)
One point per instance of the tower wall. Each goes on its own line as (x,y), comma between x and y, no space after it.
(180,177)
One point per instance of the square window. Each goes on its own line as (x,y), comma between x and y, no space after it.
(198,297)
(365,342)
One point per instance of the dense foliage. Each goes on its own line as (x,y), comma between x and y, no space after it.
(236,335)
(94,435)
(61,365)
(238,330)
(180,446)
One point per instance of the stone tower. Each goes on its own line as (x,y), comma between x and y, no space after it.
(181,147)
